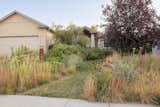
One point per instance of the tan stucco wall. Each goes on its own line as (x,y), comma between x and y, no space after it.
(17,25)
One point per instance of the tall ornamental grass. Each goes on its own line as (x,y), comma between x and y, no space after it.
(15,76)
(133,78)
(23,70)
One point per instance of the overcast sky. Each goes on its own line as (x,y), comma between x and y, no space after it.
(80,12)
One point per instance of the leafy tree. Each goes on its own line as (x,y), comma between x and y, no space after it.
(71,35)
(94,27)
(131,24)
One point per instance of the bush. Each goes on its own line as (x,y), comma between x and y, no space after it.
(65,37)
(84,66)
(83,41)
(95,53)
(59,51)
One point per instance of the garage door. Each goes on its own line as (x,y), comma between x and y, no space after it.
(7,43)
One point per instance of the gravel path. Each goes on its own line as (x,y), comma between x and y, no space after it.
(29,101)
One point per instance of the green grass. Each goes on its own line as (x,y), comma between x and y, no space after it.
(68,87)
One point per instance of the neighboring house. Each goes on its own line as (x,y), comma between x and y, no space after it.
(17,29)
(97,39)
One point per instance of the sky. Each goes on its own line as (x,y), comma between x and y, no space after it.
(79,12)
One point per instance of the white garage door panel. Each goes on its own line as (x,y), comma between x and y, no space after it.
(7,43)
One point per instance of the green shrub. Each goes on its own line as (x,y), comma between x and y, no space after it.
(59,51)
(95,53)
(83,41)
(56,64)
(84,66)
(65,37)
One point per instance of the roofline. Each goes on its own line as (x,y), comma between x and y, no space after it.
(89,30)
(42,25)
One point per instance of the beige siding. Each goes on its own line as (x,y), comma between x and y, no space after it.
(18,25)
(9,43)
(50,38)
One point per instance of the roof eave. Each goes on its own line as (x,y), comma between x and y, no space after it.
(42,26)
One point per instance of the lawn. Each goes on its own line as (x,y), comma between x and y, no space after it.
(68,87)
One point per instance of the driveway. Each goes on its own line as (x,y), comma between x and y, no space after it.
(29,101)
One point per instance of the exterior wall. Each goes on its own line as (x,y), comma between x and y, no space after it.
(50,38)
(101,43)
(17,25)
(9,43)
(47,38)
(93,43)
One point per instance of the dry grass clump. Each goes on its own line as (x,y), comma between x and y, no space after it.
(89,88)
(18,76)
(128,79)
(71,67)
(147,86)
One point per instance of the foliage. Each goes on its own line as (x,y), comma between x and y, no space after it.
(22,52)
(59,51)
(128,79)
(65,37)
(23,70)
(94,27)
(95,53)
(131,24)
(83,41)
(72,35)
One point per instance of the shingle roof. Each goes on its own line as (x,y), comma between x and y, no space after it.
(43,26)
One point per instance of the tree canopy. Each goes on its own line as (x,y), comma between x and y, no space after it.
(71,35)
(131,24)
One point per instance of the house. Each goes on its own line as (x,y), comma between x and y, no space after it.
(17,29)
(97,39)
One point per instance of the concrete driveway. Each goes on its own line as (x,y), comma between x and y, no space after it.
(29,101)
